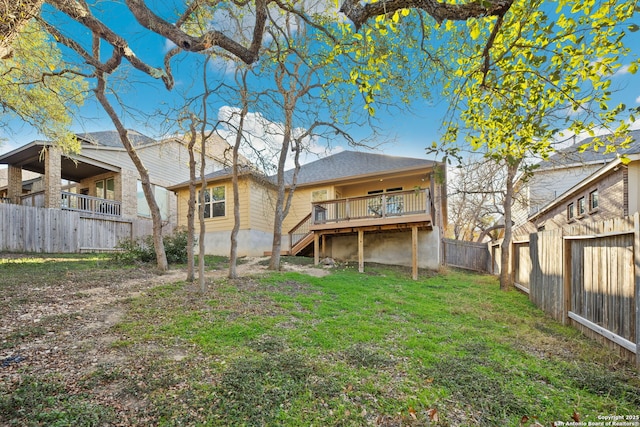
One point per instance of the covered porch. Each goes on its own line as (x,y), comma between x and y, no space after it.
(43,158)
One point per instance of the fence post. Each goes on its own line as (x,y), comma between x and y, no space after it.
(566,274)
(636,274)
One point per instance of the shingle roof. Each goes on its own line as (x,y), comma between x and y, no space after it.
(110,138)
(572,154)
(343,165)
(349,164)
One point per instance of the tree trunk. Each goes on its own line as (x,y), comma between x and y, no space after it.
(158,244)
(203,187)
(276,247)
(233,253)
(506,277)
(191,207)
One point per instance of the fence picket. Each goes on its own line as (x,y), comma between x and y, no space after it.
(41,230)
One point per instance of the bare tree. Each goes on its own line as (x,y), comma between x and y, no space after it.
(475,195)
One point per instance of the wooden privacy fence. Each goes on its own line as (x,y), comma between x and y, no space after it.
(587,275)
(469,255)
(30,229)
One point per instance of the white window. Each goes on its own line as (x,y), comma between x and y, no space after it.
(214,202)
(162,196)
(105,189)
(593,200)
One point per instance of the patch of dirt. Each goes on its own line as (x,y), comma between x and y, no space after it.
(66,328)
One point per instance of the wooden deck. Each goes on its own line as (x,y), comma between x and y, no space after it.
(397,211)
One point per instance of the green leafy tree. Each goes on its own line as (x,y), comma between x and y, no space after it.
(527,74)
(37,86)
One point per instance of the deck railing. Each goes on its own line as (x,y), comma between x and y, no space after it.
(83,203)
(35,199)
(373,206)
(299,231)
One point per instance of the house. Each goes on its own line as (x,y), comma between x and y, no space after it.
(608,187)
(101,179)
(351,206)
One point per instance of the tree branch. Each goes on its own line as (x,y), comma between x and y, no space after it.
(359,12)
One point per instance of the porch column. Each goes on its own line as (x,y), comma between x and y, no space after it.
(52,177)
(14,189)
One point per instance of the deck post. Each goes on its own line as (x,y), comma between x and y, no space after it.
(316,248)
(636,271)
(414,252)
(361,251)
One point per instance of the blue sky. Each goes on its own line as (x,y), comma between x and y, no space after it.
(404,133)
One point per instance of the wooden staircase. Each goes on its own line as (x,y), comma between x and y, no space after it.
(301,237)
(304,245)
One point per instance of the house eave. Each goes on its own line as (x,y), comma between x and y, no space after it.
(74,167)
(368,176)
(610,167)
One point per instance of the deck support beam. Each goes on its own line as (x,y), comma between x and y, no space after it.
(316,248)
(361,251)
(414,252)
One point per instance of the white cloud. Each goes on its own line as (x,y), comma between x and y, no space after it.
(168,45)
(621,71)
(263,139)
(638,100)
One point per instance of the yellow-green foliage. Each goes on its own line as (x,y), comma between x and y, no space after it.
(549,67)
(37,86)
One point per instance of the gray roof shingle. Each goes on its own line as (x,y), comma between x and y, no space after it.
(110,138)
(343,165)
(350,164)
(572,154)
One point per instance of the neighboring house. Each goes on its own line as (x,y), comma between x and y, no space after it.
(609,188)
(101,179)
(337,200)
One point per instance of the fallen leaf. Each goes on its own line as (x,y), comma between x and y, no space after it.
(524,419)
(576,417)
(412,412)
(433,415)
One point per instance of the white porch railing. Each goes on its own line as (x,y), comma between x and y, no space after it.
(83,203)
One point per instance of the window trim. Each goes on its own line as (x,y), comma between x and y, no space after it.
(570,212)
(213,202)
(582,207)
(591,199)
(105,188)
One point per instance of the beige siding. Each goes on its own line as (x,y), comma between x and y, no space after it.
(167,163)
(221,223)
(301,205)
(361,189)
(261,207)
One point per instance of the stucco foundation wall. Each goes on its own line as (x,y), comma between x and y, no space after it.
(250,242)
(388,248)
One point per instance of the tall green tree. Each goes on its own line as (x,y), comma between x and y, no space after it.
(38,87)
(526,76)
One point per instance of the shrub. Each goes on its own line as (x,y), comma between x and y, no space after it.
(175,246)
(141,250)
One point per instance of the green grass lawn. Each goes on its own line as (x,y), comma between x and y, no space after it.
(347,349)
